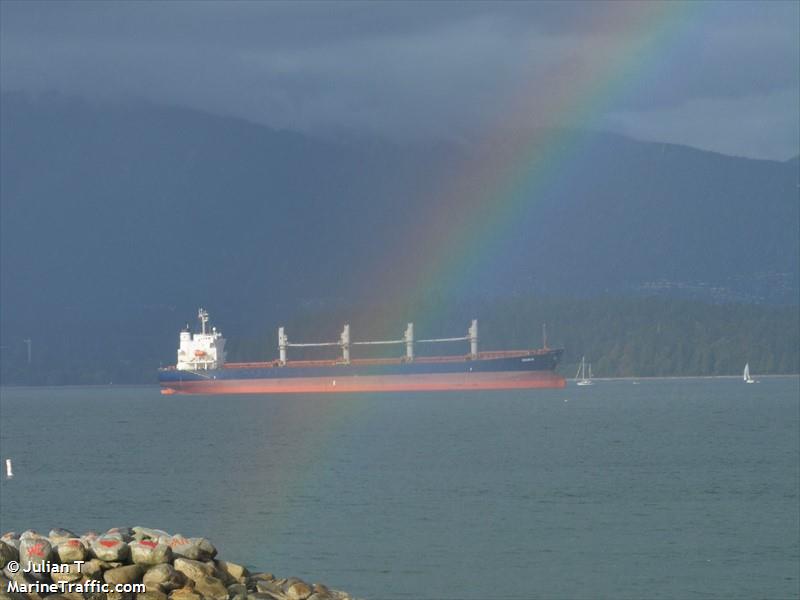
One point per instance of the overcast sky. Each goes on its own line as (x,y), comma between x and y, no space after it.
(720,76)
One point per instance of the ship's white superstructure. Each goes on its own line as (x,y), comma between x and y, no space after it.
(202,367)
(201,351)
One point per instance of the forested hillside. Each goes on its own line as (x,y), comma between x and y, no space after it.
(118,221)
(636,337)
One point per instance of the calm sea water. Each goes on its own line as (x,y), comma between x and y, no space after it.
(665,489)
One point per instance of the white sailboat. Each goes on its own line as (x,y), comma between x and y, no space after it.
(584,377)
(746,375)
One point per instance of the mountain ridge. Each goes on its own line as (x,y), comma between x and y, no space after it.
(130,216)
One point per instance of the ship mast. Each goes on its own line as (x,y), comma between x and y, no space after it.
(345,342)
(202,315)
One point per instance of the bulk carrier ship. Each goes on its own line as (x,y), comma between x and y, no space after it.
(201,367)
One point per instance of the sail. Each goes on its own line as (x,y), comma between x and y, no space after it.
(746,374)
(582,376)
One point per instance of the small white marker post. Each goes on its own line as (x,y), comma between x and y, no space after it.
(9,472)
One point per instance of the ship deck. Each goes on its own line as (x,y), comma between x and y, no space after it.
(491,355)
(387,361)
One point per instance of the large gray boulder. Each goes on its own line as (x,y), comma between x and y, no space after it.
(70,550)
(149,552)
(126,574)
(30,533)
(321,590)
(6,594)
(193,569)
(123,533)
(238,572)
(94,595)
(146,533)
(151,594)
(164,577)
(185,594)
(110,549)
(211,587)
(34,551)
(268,587)
(7,554)
(298,591)
(73,572)
(93,570)
(193,548)
(265,596)
(21,578)
(57,535)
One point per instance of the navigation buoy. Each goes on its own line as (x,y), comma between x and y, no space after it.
(9,472)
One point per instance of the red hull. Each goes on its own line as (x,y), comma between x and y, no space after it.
(382,383)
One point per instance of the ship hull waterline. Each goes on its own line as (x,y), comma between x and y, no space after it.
(504,370)
(368,383)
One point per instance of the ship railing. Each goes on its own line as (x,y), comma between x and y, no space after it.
(198,373)
(385,361)
(375,343)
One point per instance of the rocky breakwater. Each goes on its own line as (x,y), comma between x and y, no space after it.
(126,563)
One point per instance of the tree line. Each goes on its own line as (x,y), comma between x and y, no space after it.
(620,336)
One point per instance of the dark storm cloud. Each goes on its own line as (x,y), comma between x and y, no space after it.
(408,69)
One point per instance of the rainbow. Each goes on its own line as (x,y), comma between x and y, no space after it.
(530,143)
(449,247)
